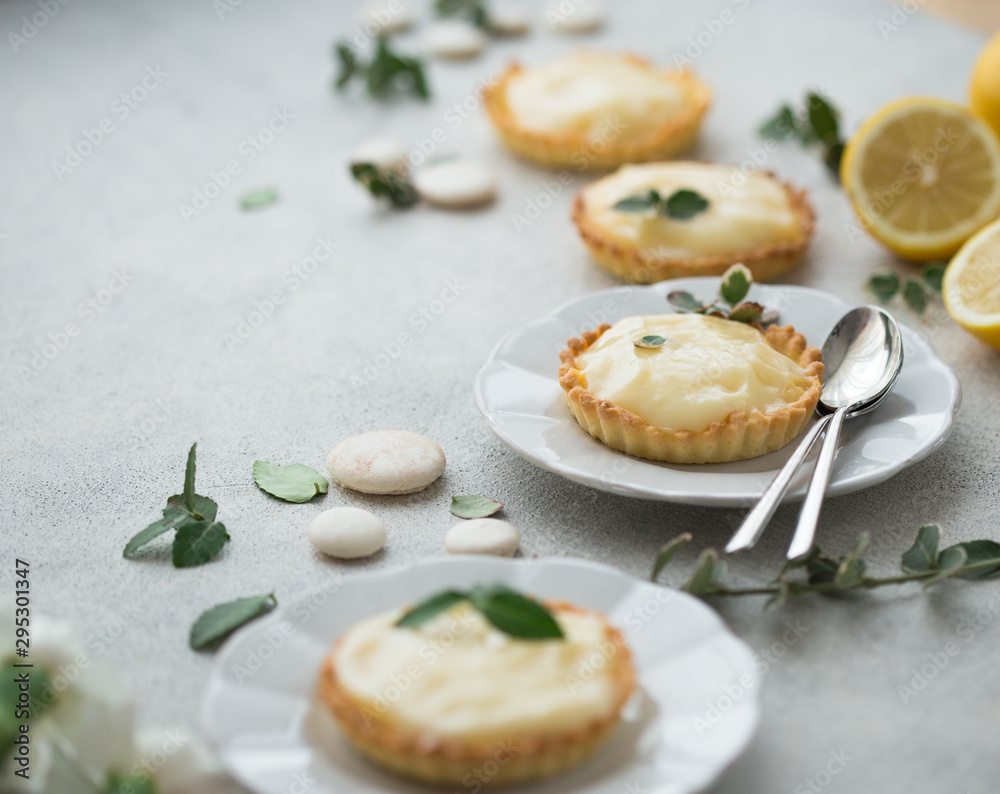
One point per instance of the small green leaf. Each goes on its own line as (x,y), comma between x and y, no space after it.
(666,553)
(189,479)
(222,620)
(197,542)
(779,599)
(638,203)
(385,183)
(735,284)
(822,119)
(849,573)
(293,483)
(684,301)
(651,341)
(514,614)
(256,199)
(832,157)
(748,312)
(173,517)
(934,276)
(140,784)
(915,296)
(978,552)
(434,605)
(885,286)
(822,570)
(471,506)
(923,555)
(950,561)
(781,126)
(348,65)
(204,508)
(702,581)
(683,205)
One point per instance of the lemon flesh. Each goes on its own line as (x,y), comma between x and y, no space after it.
(972,286)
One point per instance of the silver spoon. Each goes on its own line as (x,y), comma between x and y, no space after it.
(862,356)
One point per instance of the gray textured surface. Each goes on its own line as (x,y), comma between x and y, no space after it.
(88,453)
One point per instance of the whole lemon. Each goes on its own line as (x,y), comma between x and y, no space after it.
(984,90)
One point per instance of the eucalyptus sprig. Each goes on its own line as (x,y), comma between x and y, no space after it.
(472,10)
(385,183)
(681,205)
(916,294)
(510,612)
(198,537)
(387,72)
(817,125)
(729,303)
(923,562)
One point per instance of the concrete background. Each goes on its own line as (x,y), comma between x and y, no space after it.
(94,439)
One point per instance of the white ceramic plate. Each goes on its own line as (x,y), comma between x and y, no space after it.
(519,394)
(695,709)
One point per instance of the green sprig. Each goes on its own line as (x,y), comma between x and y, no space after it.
(387,73)
(916,294)
(681,205)
(923,562)
(816,125)
(384,183)
(729,303)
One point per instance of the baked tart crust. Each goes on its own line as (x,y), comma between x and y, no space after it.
(641,265)
(580,150)
(451,760)
(738,436)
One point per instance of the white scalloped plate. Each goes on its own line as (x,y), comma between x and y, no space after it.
(695,710)
(519,394)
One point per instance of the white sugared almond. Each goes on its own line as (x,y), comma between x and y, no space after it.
(454,39)
(482,536)
(456,184)
(386,462)
(385,17)
(508,20)
(384,153)
(571,18)
(347,532)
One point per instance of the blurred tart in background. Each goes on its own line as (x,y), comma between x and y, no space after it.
(593,111)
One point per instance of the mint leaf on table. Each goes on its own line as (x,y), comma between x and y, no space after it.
(473,506)
(257,199)
(189,471)
(385,183)
(934,276)
(197,542)
(915,296)
(172,518)
(385,73)
(220,621)
(817,125)
(783,124)
(293,483)
(923,555)
(885,286)
(979,552)
(203,506)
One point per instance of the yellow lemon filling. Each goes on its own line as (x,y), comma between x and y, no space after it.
(708,368)
(594,96)
(744,212)
(458,676)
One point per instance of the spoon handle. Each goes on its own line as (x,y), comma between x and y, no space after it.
(805,530)
(755,521)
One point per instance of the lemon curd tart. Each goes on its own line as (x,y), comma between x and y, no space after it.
(592,110)
(754,219)
(714,391)
(455,699)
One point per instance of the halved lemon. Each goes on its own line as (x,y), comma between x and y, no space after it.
(972,286)
(923,175)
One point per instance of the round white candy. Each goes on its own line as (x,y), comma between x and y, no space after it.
(456,184)
(585,17)
(386,462)
(452,38)
(347,532)
(384,153)
(482,536)
(385,17)
(508,20)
